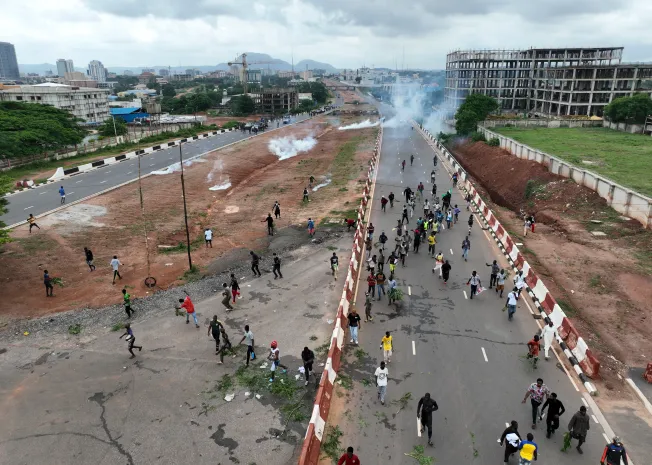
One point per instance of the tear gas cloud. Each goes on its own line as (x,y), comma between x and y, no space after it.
(288,147)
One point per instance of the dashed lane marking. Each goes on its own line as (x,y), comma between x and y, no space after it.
(451,251)
(484,354)
(31,206)
(586,404)
(409,290)
(594,418)
(414,348)
(465,295)
(418,427)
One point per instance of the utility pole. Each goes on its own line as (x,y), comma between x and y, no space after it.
(185,210)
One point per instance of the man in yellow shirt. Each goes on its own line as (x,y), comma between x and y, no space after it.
(432,241)
(528,450)
(386,345)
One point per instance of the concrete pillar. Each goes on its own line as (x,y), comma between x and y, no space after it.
(570,95)
(613,84)
(595,74)
(633,86)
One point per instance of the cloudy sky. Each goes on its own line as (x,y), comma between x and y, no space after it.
(344,33)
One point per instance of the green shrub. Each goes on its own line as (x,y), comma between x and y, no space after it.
(478,137)
(493,142)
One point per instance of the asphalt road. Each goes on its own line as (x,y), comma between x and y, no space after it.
(80,400)
(464,352)
(45,198)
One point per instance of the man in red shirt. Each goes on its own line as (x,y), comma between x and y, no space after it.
(349,458)
(190,309)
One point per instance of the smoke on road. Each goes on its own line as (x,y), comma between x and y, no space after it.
(361,125)
(288,147)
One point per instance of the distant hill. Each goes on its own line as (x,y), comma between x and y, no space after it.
(257,60)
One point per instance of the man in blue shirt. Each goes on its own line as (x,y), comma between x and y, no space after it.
(62,193)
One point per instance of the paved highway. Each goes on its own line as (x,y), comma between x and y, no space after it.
(464,352)
(46,198)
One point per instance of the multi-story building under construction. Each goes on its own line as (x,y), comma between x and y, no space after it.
(555,82)
(275,100)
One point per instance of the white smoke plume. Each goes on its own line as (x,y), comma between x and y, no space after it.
(218,166)
(361,125)
(173,168)
(288,147)
(220,187)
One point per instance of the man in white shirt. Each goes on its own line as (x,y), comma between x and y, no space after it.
(208,235)
(548,334)
(512,299)
(381,381)
(115,264)
(519,282)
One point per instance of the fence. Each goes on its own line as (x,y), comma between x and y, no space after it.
(134,135)
(542,123)
(631,128)
(312,441)
(621,199)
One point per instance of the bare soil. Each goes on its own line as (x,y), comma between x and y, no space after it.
(603,283)
(112,224)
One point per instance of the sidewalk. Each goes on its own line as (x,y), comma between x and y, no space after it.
(80,399)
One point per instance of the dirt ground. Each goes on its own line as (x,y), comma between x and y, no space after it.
(112,224)
(603,283)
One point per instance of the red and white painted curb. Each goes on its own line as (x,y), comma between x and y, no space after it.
(575,348)
(312,441)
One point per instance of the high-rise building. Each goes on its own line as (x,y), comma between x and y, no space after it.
(558,81)
(8,61)
(97,71)
(163,72)
(64,66)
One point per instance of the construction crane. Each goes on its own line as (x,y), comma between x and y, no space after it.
(245,66)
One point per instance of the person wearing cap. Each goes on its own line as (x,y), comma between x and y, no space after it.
(275,357)
(614,453)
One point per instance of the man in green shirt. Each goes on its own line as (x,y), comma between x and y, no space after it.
(127,302)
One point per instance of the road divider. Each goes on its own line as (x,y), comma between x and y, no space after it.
(584,363)
(316,428)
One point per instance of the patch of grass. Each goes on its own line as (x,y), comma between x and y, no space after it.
(179,248)
(295,411)
(362,423)
(323,349)
(418,454)
(345,381)
(331,248)
(623,157)
(366,382)
(117,327)
(74,329)
(475,451)
(567,307)
(341,169)
(251,378)
(313,338)
(380,415)
(403,401)
(360,354)
(193,274)
(37,243)
(225,383)
(331,446)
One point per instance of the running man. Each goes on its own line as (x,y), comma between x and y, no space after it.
(276,267)
(32,223)
(62,194)
(208,237)
(131,340)
(255,259)
(536,392)
(235,287)
(226,297)
(383,203)
(494,273)
(387,347)
(466,246)
(270,224)
(391,199)
(500,282)
(126,299)
(424,413)
(89,258)
(226,344)
(534,347)
(214,328)
(555,410)
(308,357)
(115,264)
(512,300)
(528,450)
(445,271)
(475,283)
(335,263)
(187,304)
(311,227)
(548,333)
(248,338)
(511,438)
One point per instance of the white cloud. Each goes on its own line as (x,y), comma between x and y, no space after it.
(345,33)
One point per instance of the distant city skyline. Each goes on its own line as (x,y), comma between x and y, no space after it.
(344,34)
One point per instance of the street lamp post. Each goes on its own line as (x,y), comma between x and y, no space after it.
(185,209)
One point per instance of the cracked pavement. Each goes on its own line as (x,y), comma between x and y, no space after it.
(92,404)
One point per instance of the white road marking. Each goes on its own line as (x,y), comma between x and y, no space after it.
(451,251)
(484,354)
(107,172)
(152,164)
(585,403)
(465,295)
(414,348)
(418,428)
(31,206)
(595,419)
(77,182)
(102,182)
(409,290)
(43,193)
(70,193)
(129,172)
(528,306)
(606,438)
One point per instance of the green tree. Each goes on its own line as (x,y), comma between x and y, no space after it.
(28,129)
(107,129)
(474,109)
(631,110)
(242,105)
(168,90)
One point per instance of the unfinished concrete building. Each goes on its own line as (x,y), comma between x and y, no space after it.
(275,100)
(550,82)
